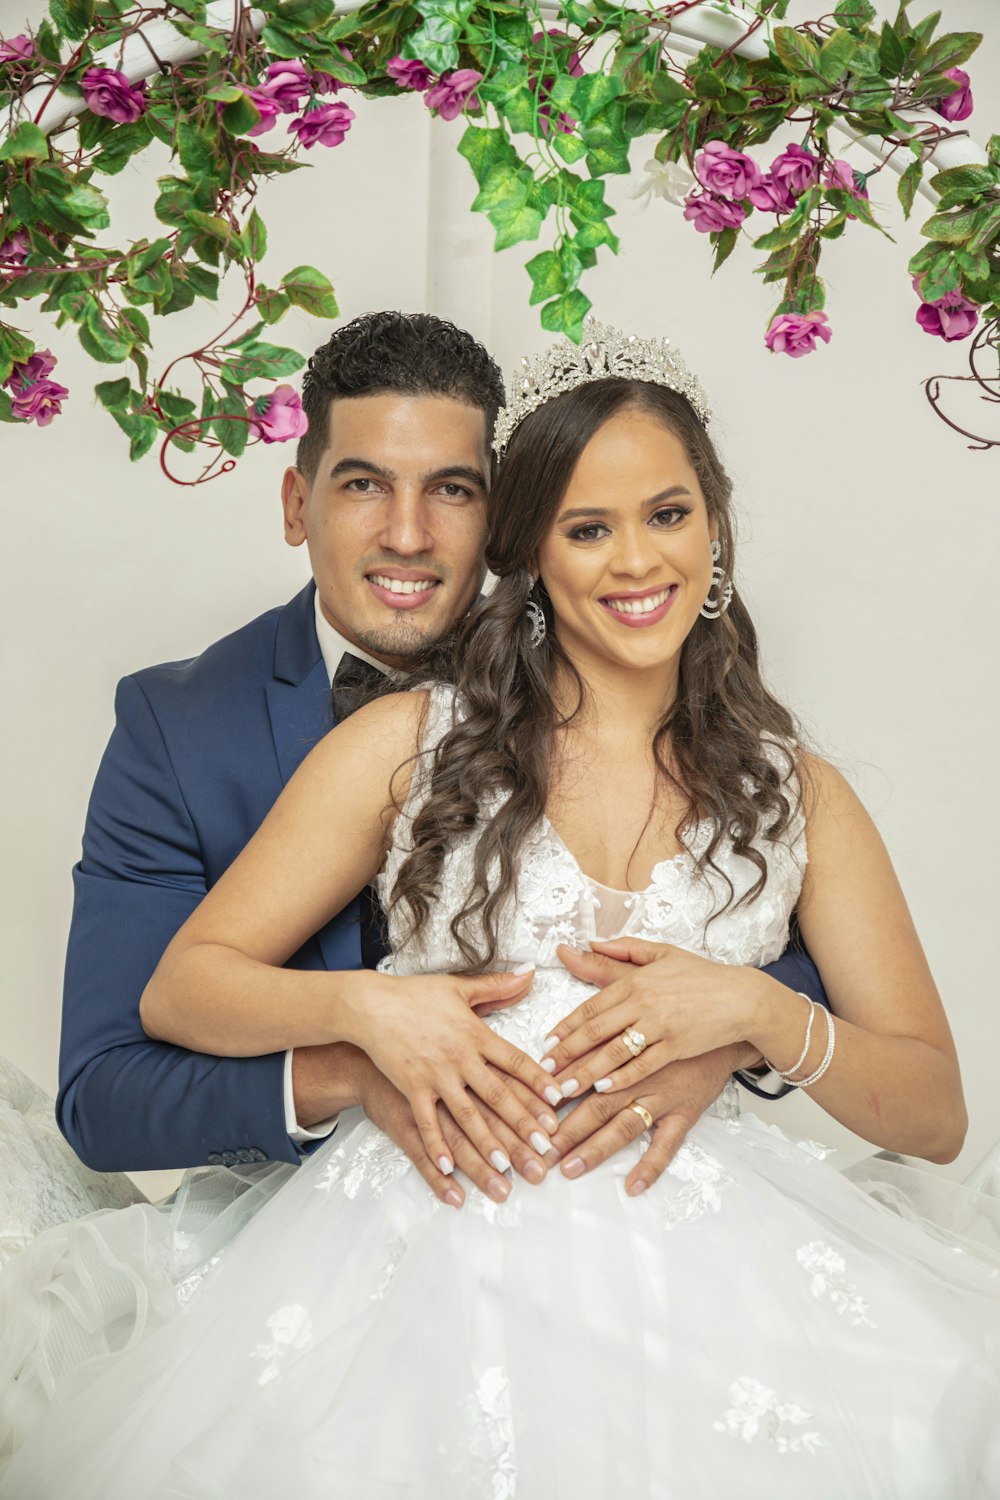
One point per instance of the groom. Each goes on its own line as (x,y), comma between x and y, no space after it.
(389,496)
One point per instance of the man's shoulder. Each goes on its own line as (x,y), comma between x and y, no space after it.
(228,666)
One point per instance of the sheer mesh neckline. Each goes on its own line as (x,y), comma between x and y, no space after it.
(682,856)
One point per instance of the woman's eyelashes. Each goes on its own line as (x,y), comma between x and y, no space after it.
(664,519)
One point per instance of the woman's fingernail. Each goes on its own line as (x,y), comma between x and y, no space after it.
(498,1188)
(602,1085)
(539,1142)
(548,1122)
(549,1064)
(500,1161)
(524,969)
(446,1166)
(454,1197)
(573,1167)
(549,1043)
(553,1095)
(569,1087)
(637,1187)
(533,1170)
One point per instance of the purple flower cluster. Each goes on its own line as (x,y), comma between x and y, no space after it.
(279,416)
(288,87)
(108,92)
(17,49)
(449,94)
(949,317)
(35,397)
(13,254)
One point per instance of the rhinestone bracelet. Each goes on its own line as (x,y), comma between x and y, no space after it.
(831,1043)
(786,1075)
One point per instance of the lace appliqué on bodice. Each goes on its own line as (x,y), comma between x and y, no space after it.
(557,903)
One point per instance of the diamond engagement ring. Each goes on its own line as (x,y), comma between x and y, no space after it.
(634,1041)
(643,1113)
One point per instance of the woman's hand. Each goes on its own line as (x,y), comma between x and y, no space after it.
(679,1004)
(423,1033)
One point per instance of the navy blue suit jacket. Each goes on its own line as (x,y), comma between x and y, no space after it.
(200,751)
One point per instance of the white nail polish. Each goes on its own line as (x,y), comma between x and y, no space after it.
(548,1063)
(524,969)
(445,1165)
(602,1085)
(553,1095)
(569,1087)
(549,1043)
(540,1144)
(500,1161)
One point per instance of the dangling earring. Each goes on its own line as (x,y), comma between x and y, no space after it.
(536,620)
(713,608)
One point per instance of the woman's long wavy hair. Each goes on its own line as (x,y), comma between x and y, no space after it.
(709,744)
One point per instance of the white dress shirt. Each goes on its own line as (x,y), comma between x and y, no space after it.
(333,646)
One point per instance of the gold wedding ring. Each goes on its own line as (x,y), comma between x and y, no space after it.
(634,1041)
(643,1113)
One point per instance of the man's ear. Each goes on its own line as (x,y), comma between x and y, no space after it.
(295,489)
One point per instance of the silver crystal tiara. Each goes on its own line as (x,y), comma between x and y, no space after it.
(605,353)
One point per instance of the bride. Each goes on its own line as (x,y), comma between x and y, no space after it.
(603,762)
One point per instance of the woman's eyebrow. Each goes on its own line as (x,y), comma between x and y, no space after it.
(593,510)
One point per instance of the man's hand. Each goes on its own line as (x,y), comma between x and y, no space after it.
(676,1096)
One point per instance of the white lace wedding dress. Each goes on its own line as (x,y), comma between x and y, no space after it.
(755,1324)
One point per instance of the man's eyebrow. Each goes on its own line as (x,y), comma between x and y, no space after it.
(594,510)
(457,471)
(349,465)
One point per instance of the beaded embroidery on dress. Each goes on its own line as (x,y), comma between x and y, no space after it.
(754,1324)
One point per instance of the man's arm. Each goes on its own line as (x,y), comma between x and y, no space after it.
(125,1102)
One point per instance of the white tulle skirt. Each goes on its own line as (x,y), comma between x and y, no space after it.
(755,1324)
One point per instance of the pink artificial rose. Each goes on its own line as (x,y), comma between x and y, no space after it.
(726,172)
(452,92)
(327,124)
(267,107)
(959,105)
(950,317)
(771,197)
(795,169)
(39,402)
(409,73)
(796,333)
(35,367)
(17,49)
(709,214)
(280,415)
(14,252)
(108,92)
(574,67)
(287,82)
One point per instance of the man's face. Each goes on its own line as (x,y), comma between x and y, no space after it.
(395,519)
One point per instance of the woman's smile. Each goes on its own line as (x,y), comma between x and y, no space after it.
(646,607)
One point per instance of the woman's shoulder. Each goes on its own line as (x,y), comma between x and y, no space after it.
(825,790)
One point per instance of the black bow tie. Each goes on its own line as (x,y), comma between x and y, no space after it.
(354,683)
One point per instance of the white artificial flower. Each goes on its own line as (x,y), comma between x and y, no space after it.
(666,179)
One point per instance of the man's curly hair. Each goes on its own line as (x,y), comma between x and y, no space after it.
(415,354)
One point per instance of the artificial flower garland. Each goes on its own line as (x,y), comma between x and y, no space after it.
(551,110)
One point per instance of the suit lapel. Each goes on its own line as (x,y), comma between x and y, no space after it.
(301,711)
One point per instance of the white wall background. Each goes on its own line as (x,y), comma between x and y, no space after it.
(870,534)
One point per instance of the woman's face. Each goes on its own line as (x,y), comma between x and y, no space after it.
(627,561)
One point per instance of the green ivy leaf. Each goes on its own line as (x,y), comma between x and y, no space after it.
(566,314)
(240,116)
(25,143)
(548,277)
(102,343)
(261,362)
(435,43)
(312,291)
(197,149)
(593,92)
(304,15)
(798,52)
(856,15)
(950,50)
(951,229)
(74,18)
(113,393)
(254,237)
(140,430)
(943,277)
(909,182)
(892,53)
(835,55)
(570,147)
(484,149)
(606,141)
(987,226)
(968,181)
